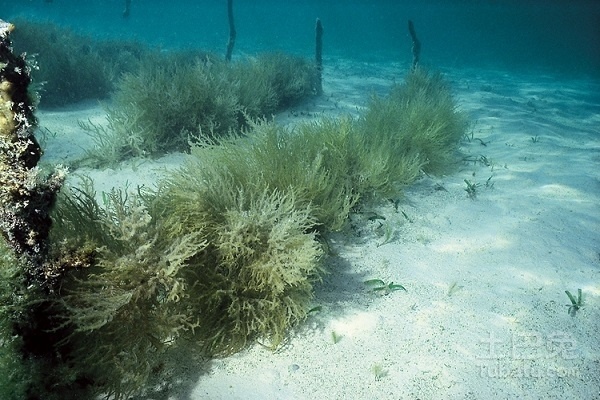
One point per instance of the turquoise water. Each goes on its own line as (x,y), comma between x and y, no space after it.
(554,36)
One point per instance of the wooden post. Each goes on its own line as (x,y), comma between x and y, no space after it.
(319,56)
(232,32)
(416,45)
(127,9)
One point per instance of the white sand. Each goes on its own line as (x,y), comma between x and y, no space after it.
(484,315)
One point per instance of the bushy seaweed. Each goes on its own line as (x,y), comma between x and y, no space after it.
(157,107)
(14,374)
(272,157)
(170,98)
(419,118)
(289,78)
(121,287)
(266,262)
(72,67)
(255,278)
(330,164)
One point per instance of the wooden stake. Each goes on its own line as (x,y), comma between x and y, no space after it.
(232,32)
(416,45)
(127,9)
(319,55)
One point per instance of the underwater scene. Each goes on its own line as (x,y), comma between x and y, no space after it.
(299,200)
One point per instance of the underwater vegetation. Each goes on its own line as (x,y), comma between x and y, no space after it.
(192,90)
(70,67)
(122,302)
(420,117)
(170,99)
(576,302)
(379,286)
(254,280)
(226,251)
(14,371)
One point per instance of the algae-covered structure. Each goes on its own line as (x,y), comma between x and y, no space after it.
(26,199)
(26,196)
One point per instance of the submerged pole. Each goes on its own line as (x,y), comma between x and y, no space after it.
(319,55)
(416,45)
(232,32)
(127,9)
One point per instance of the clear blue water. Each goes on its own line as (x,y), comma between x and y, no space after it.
(549,35)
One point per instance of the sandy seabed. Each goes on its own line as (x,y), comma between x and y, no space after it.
(485,313)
